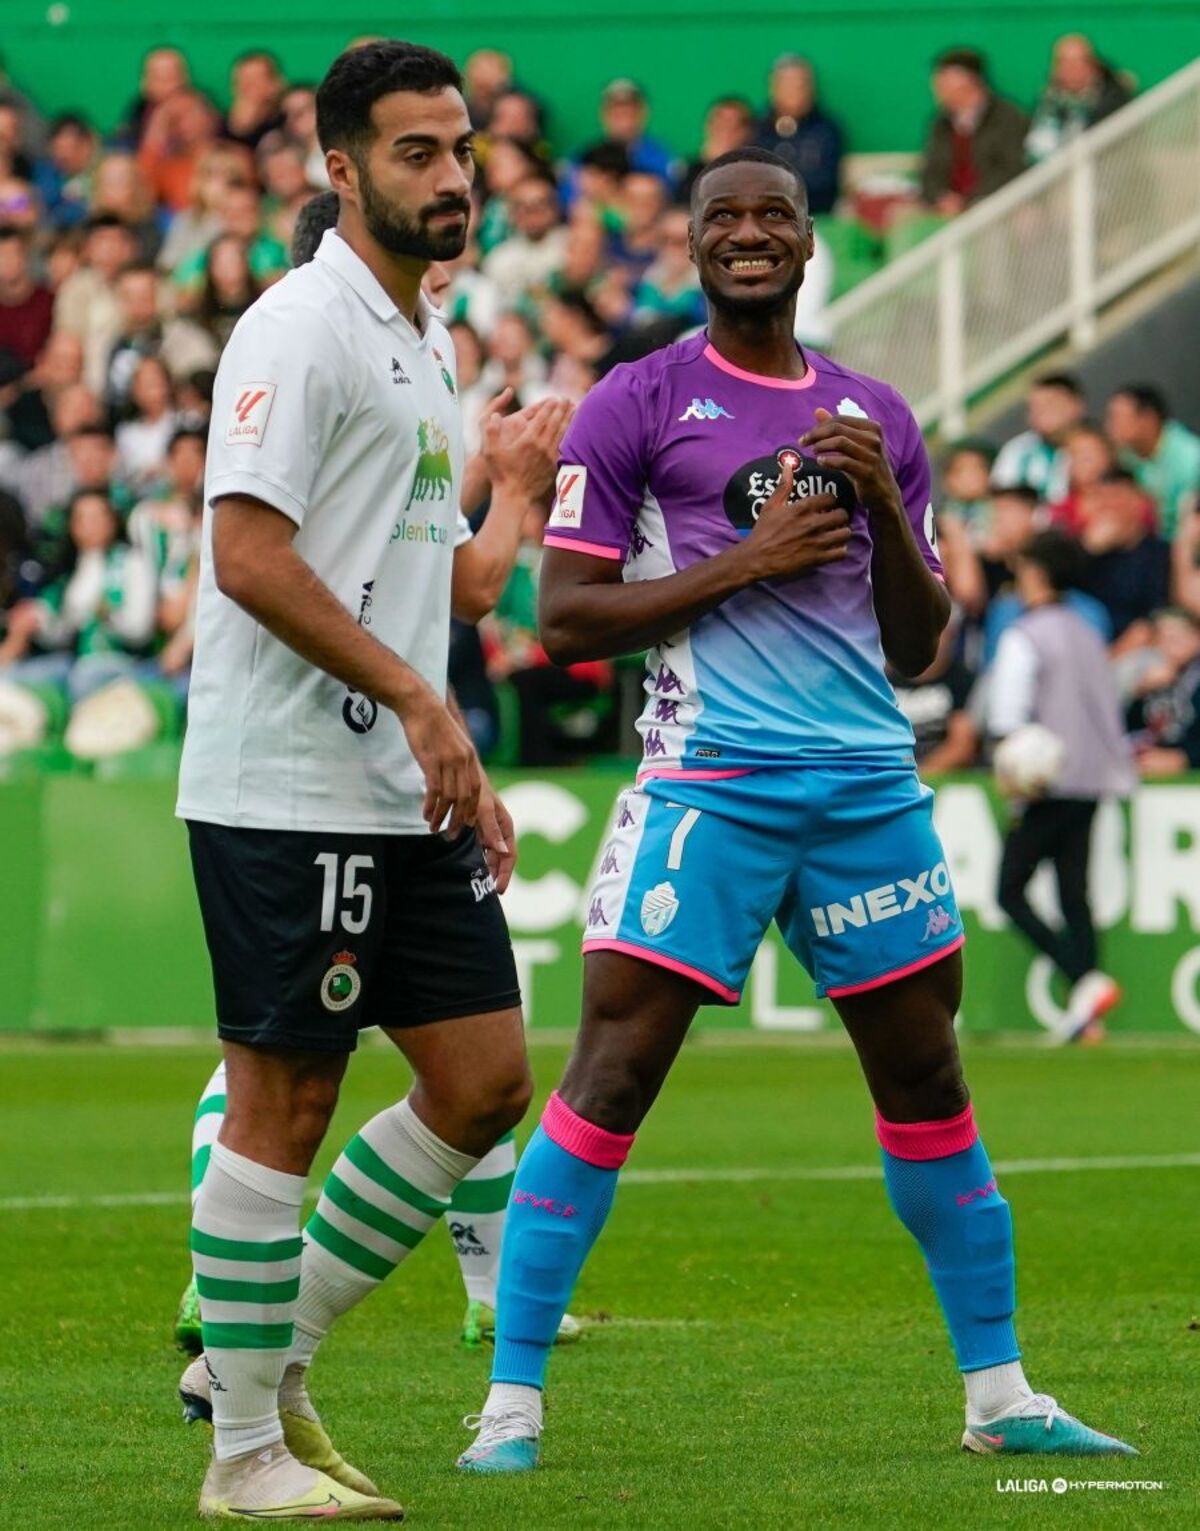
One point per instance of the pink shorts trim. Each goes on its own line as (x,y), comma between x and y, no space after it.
(926,961)
(573,545)
(681,773)
(594,1145)
(927,1140)
(713,355)
(672,964)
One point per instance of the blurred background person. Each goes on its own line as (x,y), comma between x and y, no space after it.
(977,141)
(795,127)
(1081,91)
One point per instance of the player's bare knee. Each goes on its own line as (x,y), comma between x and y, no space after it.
(929,1089)
(314,1099)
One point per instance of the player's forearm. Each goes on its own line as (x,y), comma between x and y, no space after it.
(482,566)
(911,604)
(578,622)
(289,600)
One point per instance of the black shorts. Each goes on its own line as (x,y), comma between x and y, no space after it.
(314,936)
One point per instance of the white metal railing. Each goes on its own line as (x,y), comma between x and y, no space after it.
(1036,261)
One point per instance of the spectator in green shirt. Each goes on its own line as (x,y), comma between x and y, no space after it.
(241,216)
(1161,453)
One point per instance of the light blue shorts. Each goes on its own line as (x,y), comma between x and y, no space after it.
(844,858)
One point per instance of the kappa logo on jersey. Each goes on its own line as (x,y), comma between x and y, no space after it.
(569,490)
(434,477)
(886,902)
(251,411)
(705,409)
(659,908)
(341,984)
(855,411)
(753,484)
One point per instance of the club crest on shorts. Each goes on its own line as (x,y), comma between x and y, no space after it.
(659,908)
(341,984)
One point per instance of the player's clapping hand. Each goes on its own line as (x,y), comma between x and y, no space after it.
(521,450)
(497,836)
(447,759)
(856,447)
(789,538)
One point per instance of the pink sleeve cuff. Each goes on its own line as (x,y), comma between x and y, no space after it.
(575,545)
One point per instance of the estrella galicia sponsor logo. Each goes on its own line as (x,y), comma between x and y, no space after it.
(659,908)
(359,713)
(341,984)
(705,409)
(886,902)
(753,484)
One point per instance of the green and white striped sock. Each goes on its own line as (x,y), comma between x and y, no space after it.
(246,1251)
(476,1219)
(210,1113)
(388,1188)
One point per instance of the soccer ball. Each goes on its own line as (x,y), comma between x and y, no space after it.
(1030,760)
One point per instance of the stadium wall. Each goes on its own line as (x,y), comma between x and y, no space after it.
(101,926)
(872,57)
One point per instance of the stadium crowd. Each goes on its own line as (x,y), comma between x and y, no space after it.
(127,256)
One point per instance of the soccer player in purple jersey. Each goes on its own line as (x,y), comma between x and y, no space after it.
(759,518)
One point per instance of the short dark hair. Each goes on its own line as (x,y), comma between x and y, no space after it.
(1059,557)
(579,303)
(1120,476)
(1145,397)
(751,155)
(360,76)
(252,55)
(187,433)
(314,220)
(976,446)
(1065,382)
(105,221)
(1026,493)
(138,268)
(15,231)
(608,156)
(74,120)
(969,59)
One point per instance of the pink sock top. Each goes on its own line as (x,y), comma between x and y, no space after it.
(592,1144)
(927,1140)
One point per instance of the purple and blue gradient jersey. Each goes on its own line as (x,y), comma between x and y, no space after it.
(668,461)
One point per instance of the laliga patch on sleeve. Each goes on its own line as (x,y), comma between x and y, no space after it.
(568,496)
(251,411)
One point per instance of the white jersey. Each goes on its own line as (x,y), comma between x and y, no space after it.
(332,408)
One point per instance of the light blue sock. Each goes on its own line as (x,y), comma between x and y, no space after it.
(941,1184)
(559,1204)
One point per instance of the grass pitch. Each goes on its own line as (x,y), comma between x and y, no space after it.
(766,1351)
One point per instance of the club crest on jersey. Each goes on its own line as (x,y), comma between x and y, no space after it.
(248,418)
(446,378)
(855,411)
(359,713)
(569,490)
(659,908)
(341,984)
(434,477)
(705,409)
(753,484)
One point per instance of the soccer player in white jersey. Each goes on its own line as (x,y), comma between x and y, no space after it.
(320,766)
(482,565)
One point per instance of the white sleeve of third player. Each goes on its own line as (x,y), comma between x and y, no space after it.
(462,531)
(276,405)
(1013,686)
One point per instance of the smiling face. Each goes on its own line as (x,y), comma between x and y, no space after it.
(751,236)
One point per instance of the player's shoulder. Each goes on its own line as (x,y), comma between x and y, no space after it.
(643,381)
(306,308)
(871,395)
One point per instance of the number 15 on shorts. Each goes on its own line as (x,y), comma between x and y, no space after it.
(345,900)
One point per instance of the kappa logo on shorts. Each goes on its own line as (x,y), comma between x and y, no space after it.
(341,984)
(884,903)
(659,908)
(251,411)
